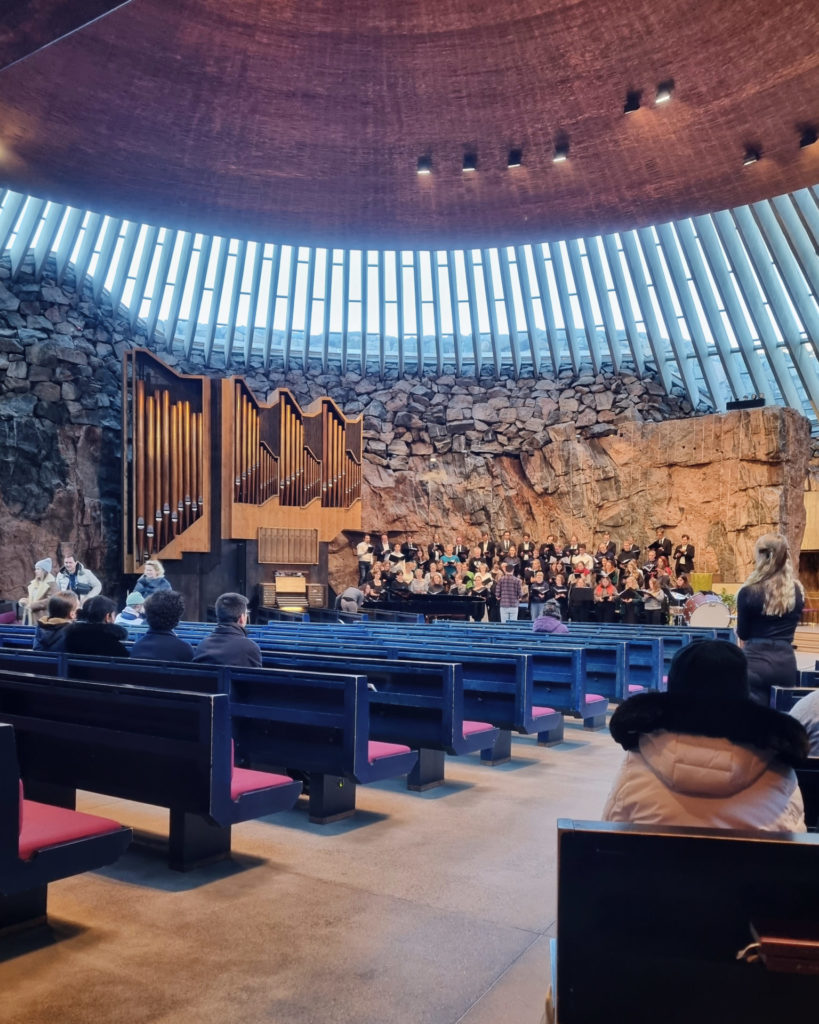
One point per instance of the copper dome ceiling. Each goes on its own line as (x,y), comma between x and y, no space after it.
(303,120)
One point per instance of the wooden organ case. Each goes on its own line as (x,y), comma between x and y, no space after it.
(287,468)
(166,464)
(203,459)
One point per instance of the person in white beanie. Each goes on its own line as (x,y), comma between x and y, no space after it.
(39,591)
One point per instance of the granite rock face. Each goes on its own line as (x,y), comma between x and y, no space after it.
(723,479)
(577,454)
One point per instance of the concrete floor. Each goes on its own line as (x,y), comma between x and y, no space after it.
(430,908)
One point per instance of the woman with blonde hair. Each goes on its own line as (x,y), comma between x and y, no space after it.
(769,607)
(152,579)
(41,588)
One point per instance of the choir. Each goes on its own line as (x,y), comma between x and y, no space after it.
(605,584)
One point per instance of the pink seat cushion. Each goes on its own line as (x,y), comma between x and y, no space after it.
(635,688)
(470,728)
(592,697)
(245,780)
(7,618)
(538,712)
(376,750)
(46,826)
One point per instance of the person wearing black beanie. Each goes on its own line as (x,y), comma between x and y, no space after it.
(703,754)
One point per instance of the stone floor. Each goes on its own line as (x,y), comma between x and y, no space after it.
(430,908)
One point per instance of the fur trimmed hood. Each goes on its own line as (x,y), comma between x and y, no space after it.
(740,721)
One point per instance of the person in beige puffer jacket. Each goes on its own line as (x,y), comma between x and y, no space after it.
(704,755)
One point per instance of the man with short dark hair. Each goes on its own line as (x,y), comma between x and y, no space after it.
(508,591)
(163,610)
(229,644)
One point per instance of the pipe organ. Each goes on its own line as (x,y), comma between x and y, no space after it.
(166,464)
(276,460)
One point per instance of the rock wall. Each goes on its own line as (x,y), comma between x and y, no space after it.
(725,480)
(579,454)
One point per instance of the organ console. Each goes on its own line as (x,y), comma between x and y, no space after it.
(275,462)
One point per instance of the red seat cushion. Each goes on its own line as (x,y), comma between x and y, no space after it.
(376,750)
(245,780)
(592,697)
(538,712)
(470,728)
(46,826)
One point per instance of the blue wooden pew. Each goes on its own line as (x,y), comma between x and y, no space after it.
(40,844)
(330,760)
(162,747)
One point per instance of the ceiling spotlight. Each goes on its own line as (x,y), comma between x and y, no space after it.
(561,154)
(632,104)
(752,155)
(425,165)
(470,161)
(808,136)
(515,158)
(664,91)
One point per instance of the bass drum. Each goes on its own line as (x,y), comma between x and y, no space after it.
(707,610)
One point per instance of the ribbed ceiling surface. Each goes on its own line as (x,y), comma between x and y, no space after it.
(303,120)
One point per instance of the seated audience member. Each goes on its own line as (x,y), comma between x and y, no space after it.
(41,588)
(152,579)
(52,630)
(75,577)
(132,613)
(704,754)
(550,621)
(229,644)
(163,611)
(806,711)
(96,632)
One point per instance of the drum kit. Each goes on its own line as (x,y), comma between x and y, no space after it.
(699,610)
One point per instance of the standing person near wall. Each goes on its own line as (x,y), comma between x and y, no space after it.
(365,554)
(75,577)
(769,607)
(41,588)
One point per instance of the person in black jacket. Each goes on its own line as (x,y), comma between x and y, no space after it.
(96,633)
(163,611)
(52,630)
(229,644)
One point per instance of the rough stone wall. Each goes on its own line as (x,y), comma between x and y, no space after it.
(725,480)
(578,454)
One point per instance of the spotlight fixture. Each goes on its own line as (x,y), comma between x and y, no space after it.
(633,97)
(664,91)
(561,154)
(470,161)
(425,165)
(752,155)
(807,136)
(515,158)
